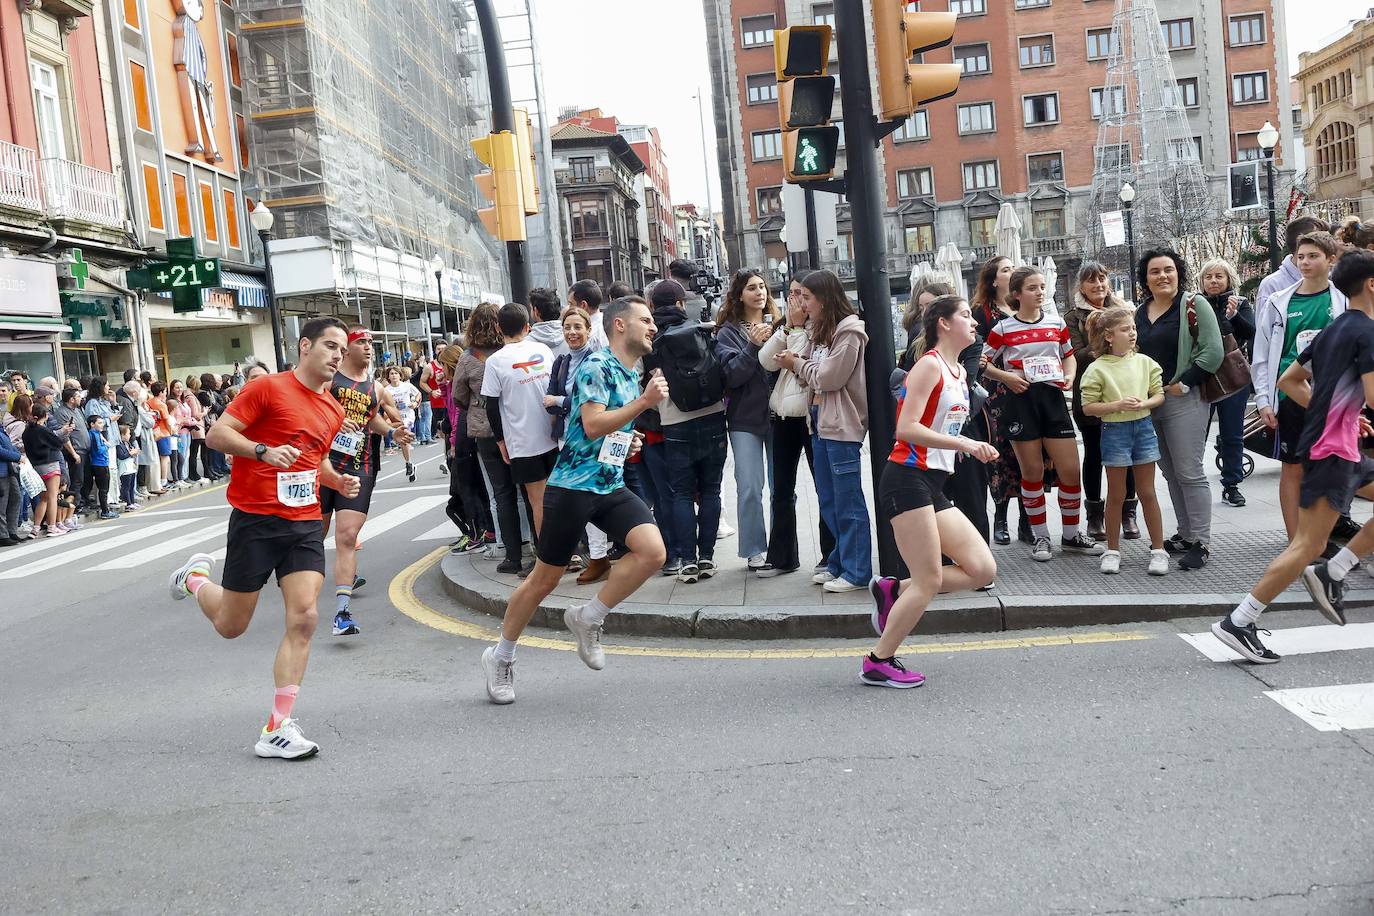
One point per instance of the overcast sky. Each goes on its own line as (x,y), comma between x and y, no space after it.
(643,60)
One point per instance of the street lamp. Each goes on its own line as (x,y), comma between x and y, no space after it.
(436,264)
(262,220)
(1127,197)
(1268,139)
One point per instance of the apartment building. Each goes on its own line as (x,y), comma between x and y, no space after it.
(1337,105)
(1022,127)
(595,177)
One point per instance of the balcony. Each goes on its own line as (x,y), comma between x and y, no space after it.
(19,186)
(1056,245)
(76,192)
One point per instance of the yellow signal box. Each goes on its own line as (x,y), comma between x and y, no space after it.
(505,219)
(898,35)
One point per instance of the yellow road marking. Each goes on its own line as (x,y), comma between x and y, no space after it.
(402,594)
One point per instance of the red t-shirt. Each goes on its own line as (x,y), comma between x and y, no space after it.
(278,410)
(436,398)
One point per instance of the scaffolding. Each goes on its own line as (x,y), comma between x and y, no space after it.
(359,118)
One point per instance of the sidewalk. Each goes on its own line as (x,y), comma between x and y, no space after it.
(1067,591)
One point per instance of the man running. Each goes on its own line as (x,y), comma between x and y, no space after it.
(588,485)
(279,430)
(1333,379)
(369,413)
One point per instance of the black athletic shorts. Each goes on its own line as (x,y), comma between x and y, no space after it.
(260,545)
(905,488)
(332,501)
(534,468)
(1292,416)
(568,512)
(1334,479)
(1039,412)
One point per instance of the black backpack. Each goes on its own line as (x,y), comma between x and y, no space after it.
(687,355)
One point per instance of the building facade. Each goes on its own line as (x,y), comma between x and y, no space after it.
(595,175)
(1337,102)
(1022,127)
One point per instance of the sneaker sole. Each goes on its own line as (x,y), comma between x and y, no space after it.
(489,671)
(1160,572)
(840,590)
(1318,593)
(267,750)
(1042,559)
(350,631)
(687,580)
(1235,645)
(885,682)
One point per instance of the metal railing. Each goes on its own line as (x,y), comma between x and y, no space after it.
(76,191)
(19,186)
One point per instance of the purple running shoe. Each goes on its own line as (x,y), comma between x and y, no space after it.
(883,590)
(890,673)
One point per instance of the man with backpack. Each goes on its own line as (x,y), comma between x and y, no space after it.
(693,419)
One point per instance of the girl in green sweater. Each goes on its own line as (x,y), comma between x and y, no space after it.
(1122,386)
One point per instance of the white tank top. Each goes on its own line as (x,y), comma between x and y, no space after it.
(945,411)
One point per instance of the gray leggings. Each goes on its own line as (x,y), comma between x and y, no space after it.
(1181,425)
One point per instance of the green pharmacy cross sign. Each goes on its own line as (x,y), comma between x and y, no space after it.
(184,274)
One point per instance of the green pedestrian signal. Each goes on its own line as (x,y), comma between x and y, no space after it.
(806,98)
(810,152)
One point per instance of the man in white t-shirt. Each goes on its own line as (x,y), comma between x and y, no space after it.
(514,382)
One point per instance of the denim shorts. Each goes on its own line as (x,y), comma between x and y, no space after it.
(1129,443)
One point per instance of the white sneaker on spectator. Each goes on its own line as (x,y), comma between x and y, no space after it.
(758,561)
(822,576)
(723,530)
(56,531)
(841,585)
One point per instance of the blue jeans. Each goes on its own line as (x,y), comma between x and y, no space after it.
(653,478)
(1231,437)
(696,464)
(839,489)
(183,457)
(423,432)
(753,457)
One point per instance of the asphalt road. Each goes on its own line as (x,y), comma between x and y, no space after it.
(1118,770)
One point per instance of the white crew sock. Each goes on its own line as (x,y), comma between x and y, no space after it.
(505,649)
(595,612)
(1247,612)
(1341,563)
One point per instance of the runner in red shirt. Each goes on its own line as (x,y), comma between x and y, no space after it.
(279,430)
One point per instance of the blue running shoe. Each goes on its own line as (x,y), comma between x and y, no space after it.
(344,625)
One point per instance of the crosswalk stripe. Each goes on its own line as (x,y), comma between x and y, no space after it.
(444,531)
(158,513)
(398,516)
(417,464)
(165,551)
(1292,641)
(128,537)
(46,544)
(1329,709)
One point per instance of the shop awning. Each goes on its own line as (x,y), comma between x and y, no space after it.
(249,290)
(18,325)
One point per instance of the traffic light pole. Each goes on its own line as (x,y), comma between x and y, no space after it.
(861,140)
(502,119)
(813,242)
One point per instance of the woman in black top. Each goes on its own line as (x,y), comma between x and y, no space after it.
(43,448)
(1234,316)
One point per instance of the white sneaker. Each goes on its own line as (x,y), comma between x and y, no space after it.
(176,584)
(758,561)
(1159,562)
(500,677)
(723,530)
(841,585)
(588,638)
(286,742)
(1111,562)
(1042,551)
(493,552)
(822,576)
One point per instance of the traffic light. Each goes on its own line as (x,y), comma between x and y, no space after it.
(806,97)
(903,86)
(529,184)
(505,219)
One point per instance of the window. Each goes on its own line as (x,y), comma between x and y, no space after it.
(131,13)
(1247,147)
(1047,224)
(1177,33)
(916,127)
(588,219)
(1037,51)
(1031,4)
(766,144)
(1102,43)
(242,130)
(47,105)
(968,7)
(138,81)
(1336,149)
(1112,158)
(755,31)
(823,14)
(919,239)
(1185,150)
(1250,87)
(583,168)
(1040,109)
(235,74)
(980,175)
(976,118)
(231,219)
(1043,167)
(1114,104)
(769,201)
(915,183)
(1187,92)
(181,200)
(152,191)
(208,213)
(973,58)
(982,230)
(761,87)
(1247,30)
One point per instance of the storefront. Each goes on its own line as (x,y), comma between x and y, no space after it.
(31,324)
(100,340)
(231,326)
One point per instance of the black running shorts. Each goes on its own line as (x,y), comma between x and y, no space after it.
(534,468)
(905,488)
(1292,417)
(260,545)
(1039,412)
(568,512)
(332,501)
(1334,479)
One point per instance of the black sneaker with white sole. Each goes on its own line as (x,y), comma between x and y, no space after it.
(1244,641)
(1326,592)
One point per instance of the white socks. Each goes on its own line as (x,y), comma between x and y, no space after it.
(505,649)
(594,612)
(1341,563)
(1247,612)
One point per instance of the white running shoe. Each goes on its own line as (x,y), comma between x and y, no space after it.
(199,562)
(841,585)
(1159,562)
(286,742)
(723,530)
(500,677)
(822,576)
(1111,562)
(588,638)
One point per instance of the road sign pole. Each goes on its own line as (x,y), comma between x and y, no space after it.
(870,251)
(813,242)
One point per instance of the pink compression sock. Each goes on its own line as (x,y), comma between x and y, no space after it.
(282,702)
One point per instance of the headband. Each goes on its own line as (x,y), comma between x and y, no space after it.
(359,334)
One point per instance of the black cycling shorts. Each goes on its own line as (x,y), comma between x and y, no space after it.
(1334,479)
(905,488)
(332,501)
(260,545)
(1039,412)
(534,468)
(568,512)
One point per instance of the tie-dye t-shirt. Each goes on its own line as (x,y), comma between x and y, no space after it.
(1338,358)
(601,379)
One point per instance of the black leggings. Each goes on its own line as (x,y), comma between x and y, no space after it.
(1092,463)
(102,486)
(191,473)
(467,507)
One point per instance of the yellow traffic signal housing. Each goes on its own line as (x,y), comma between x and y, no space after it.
(524,150)
(806,98)
(898,35)
(505,219)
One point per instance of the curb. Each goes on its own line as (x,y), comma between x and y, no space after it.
(980,613)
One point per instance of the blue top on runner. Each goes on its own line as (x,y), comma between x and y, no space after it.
(601,379)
